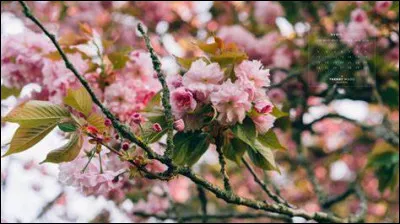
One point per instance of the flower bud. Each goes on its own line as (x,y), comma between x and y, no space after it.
(157,127)
(179,125)
(125,146)
(107,122)
(263,106)
(137,118)
(115,179)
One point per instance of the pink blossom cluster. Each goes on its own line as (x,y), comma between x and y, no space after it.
(25,59)
(357,31)
(153,12)
(266,12)
(134,86)
(22,58)
(266,48)
(232,97)
(90,180)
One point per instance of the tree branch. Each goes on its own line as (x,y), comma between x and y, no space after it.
(185,171)
(203,202)
(124,130)
(165,96)
(188,218)
(222,163)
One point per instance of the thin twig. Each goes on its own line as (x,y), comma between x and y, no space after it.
(49,205)
(203,202)
(263,186)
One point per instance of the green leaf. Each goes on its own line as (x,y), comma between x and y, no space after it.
(118,59)
(190,147)
(227,58)
(185,62)
(7,92)
(277,113)
(26,137)
(35,113)
(67,126)
(208,48)
(98,121)
(270,140)
(80,100)
(66,153)
(390,94)
(262,157)
(384,159)
(154,102)
(246,131)
(151,136)
(234,150)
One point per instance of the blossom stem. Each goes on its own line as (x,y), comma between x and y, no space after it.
(101,165)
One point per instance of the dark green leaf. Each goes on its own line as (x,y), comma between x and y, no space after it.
(67,127)
(246,131)
(262,157)
(234,150)
(189,147)
(270,140)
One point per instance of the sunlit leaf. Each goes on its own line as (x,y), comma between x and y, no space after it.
(277,113)
(270,140)
(34,113)
(26,137)
(211,48)
(97,120)
(118,59)
(185,62)
(80,100)
(227,58)
(72,39)
(56,56)
(6,92)
(68,152)
(86,29)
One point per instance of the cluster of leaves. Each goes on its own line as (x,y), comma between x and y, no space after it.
(36,119)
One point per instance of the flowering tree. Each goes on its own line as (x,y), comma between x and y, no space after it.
(243,92)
